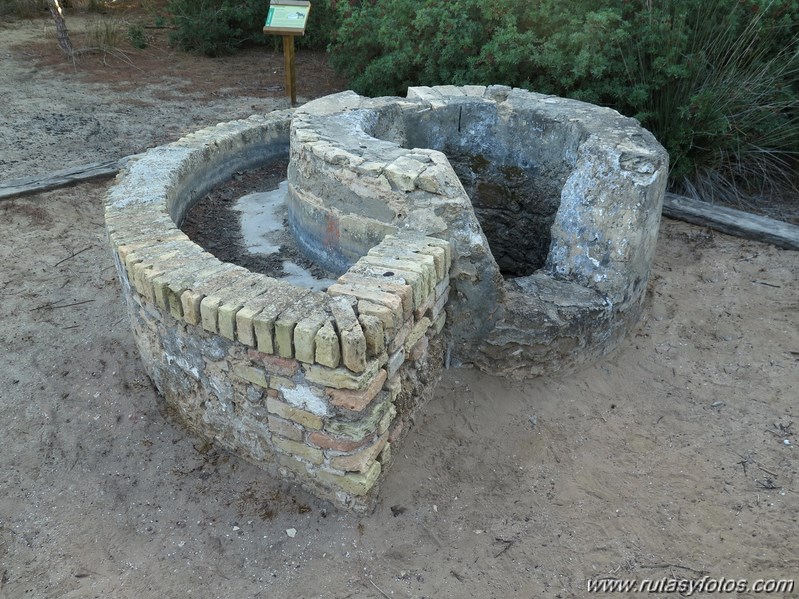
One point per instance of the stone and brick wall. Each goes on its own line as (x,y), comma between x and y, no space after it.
(315,386)
(319,386)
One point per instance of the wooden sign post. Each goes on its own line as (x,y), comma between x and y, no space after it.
(288,18)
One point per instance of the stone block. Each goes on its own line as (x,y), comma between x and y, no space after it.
(361,460)
(385,456)
(285,428)
(255,322)
(358,429)
(423,309)
(208,311)
(396,360)
(340,378)
(325,440)
(382,313)
(328,346)
(301,450)
(405,260)
(403,290)
(280,382)
(342,310)
(418,331)
(398,340)
(288,319)
(367,271)
(369,294)
(402,173)
(256,376)
(386,420)
(419,350)
(353,348)
(226,314)
(373,333)
(393,386)
(308,398)
(289,462)
(439,323)
(301,417)
(352,484)
(439,306)
(305,336)
(356,401)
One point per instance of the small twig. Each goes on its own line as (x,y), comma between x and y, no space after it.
(72,255)
(381,591)
(459,577)
(53,306)
(72,304)
(767,471)
(767,284)
(508,545)
(744,461)
(778,433)
(657,566)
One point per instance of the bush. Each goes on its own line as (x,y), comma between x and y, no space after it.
(715,80)
(23,9)
(136,36)
(217,27)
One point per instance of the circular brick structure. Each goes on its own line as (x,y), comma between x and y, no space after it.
(552,208)
(543,269)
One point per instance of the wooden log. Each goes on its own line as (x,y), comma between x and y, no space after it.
(63,178)
(60,27)
(732,222)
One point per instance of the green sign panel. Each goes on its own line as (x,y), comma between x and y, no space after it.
(287,17)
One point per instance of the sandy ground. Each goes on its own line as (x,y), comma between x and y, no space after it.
(668,459)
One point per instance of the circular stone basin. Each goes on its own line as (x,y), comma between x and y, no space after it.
(552,207)
(493,226)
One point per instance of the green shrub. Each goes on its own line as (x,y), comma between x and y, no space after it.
(715,80)
(137,36)
(216,27)
(23,9)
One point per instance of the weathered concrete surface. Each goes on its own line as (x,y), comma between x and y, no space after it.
(562,197)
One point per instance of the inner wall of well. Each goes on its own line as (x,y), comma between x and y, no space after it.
(512,163)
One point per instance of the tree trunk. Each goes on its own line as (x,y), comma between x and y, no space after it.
(60,27)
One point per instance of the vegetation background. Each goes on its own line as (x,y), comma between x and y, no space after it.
(716,81)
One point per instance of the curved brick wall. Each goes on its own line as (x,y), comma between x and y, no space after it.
(316,386)
(569,193)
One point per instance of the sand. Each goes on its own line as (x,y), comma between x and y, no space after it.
(667,459)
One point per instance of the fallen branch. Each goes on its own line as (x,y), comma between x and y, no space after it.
(53,306)
(732,222)
(73,255)
(63,178)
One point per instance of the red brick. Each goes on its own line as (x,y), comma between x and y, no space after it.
(280,366)
(357,400)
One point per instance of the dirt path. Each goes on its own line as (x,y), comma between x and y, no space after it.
(658,462)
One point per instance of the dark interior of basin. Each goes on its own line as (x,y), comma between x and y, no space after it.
(513,166)
(515,213)
(215,224)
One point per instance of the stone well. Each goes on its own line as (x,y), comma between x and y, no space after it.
(552,208)
(542,270)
